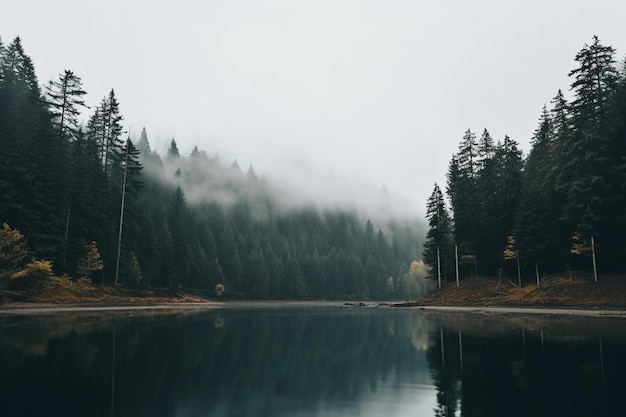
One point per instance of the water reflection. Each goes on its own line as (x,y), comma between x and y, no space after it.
(528,366)
(311,362)
(224,363)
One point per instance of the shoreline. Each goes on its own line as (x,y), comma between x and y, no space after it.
(528,310)
(50,308)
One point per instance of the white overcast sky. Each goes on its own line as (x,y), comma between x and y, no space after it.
(377,91)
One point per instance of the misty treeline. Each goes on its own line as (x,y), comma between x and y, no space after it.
(553,209)
(188,221)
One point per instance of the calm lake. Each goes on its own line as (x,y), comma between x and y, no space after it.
(311,362)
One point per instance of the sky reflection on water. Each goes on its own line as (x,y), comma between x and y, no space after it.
(310,362)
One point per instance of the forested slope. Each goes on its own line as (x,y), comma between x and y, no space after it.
(89,202)
(562,207)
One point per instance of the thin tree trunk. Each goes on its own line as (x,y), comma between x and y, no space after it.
(456,263)
(119,240)
(593,258)
(438,269)
(537,273)
(67,229)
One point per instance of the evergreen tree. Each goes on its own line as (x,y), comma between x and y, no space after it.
(484,184)
(64,98)
(485,149)
(461,187)
(274,268)
(126,182)
(535,230)
(438,245)
(507,199)
(172,152)
(105,127)
(468,154)
(143,144)
(30,186)
(293,280)
(536,226)
(585,170)
(615,202)
(127,163)
(255,276)
(594,83)
(18,70)
(488,188)
(85,220)
(167,259)
(149,158)
(177,218)
(542,142)
(315,278)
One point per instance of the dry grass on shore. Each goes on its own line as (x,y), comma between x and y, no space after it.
(555,291)
(63,290)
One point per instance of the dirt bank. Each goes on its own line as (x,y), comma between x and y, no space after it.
(557,292)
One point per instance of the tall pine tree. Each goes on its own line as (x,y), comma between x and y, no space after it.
(438,248)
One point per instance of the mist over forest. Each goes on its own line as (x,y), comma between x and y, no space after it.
(207,177)
(89,200)
(93,201)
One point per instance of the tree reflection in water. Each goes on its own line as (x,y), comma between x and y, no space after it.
(311,362)
(231,362)
(528,366)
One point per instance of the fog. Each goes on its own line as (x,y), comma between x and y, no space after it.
(330,100)
(207,178)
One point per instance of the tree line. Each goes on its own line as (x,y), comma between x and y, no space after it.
(95,204)
(561,207)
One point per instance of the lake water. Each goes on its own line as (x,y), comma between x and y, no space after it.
(311,362)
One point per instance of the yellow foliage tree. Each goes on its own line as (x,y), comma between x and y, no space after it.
(31,276)
(219,289)
(510,253)
(134,271)
(13,250)
(580,246)
(418,273)
(419,269)
(91,262)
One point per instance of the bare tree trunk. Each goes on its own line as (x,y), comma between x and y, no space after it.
(593,258)
(537,273)
(438,269)
(456,263)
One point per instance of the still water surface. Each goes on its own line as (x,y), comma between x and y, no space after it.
(311,362)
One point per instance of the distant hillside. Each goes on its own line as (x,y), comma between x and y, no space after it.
(87,202)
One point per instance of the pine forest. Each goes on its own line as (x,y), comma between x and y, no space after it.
(561,208)
(85,200)
(82,200)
